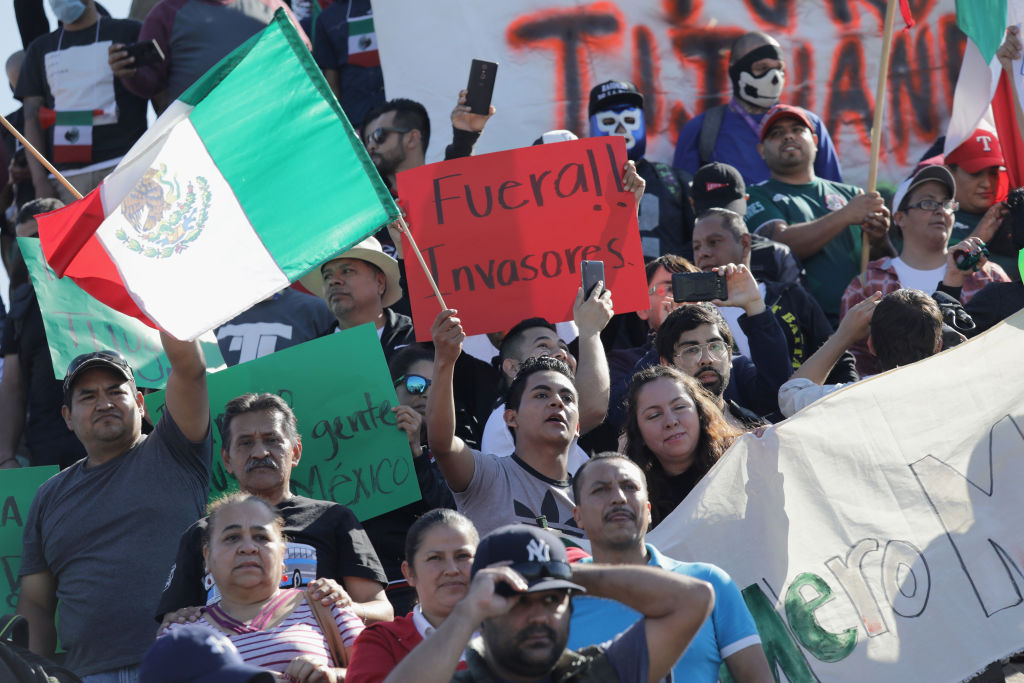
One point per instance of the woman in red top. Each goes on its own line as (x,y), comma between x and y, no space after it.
(439,549)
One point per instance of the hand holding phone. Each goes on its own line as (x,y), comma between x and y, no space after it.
(591,273)
(145,53)
(481,86)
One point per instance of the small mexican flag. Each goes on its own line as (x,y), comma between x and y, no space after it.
(362,42)
(72,134)
(250,179)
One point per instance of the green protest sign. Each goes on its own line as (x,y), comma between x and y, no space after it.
(19,487)
(352,450)
(76,323)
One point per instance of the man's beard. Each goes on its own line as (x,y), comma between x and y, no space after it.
(716,387)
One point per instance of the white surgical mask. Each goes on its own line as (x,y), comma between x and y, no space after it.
(67,10)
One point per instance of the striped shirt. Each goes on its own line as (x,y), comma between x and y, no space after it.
(274,648)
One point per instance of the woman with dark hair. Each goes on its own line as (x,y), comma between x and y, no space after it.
(674,432)
(439,550)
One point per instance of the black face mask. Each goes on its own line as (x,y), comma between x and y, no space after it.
(760,91)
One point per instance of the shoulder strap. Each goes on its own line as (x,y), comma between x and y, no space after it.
(14,629)
(329,627)
(709,128)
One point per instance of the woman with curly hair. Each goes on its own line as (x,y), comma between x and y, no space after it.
(674,432)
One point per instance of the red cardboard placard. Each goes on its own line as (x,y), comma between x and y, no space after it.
(503,234)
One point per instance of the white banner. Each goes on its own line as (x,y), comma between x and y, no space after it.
(878,535)
(552,52)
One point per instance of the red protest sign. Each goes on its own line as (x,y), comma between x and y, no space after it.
(503,234)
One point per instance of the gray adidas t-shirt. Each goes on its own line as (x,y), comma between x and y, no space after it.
(505,490)
(108,534)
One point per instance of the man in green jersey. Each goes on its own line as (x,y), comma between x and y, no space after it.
(822,221)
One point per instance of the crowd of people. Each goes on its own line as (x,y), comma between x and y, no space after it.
(543,453)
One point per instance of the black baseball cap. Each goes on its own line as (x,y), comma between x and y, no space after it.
(718,185)
(197,654)
(610,93)
(110,360)
(536,554)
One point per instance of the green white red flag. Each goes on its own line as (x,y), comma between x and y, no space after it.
(214,208)
(983,96)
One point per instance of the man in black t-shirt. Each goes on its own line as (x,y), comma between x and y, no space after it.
(261,444)
(93,120)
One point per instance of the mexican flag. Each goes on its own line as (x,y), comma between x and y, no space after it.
(72,133)
(362,42)
(250,179)
(983,97)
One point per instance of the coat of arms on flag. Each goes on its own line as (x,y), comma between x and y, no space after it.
(213,209)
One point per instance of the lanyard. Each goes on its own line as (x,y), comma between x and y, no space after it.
(745,115)
(60,38)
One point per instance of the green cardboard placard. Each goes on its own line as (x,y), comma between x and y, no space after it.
(19,487)
(76,323)
(340,389)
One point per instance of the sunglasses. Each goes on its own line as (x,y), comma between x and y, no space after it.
(379,135)
(414,384)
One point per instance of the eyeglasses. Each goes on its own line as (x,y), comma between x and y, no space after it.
(661,289)
(379,135)
(414,384)
(948,206)
(694,352)
(536,570)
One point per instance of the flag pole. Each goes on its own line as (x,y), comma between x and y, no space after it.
(46,164)
(876,124)
(404,229)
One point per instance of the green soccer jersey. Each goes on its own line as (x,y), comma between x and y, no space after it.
(831,269)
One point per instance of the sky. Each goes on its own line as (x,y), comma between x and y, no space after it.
(10,41)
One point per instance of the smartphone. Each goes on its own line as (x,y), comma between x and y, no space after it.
(699,287)
(592,272)
(481,86)
(147,52)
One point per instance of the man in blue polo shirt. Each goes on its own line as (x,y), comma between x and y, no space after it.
(612,508)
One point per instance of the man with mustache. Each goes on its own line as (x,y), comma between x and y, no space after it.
(260,446)
(612,508)
(520,601)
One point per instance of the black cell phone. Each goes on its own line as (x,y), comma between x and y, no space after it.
(592,273)
(699,287)
(481,86)
(147,52)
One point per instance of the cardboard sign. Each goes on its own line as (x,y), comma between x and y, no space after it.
(340,390)
(876,534)
(76,323)
(19,488)
(504,233)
